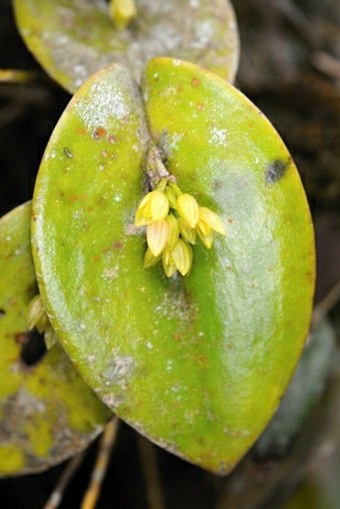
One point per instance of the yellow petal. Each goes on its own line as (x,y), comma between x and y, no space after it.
(182,256)
(188,234)
(50,337)
(168,263)
(159,205)
(188,209)
(150,259)
(173,230)
(143,215)
(206,239)
(157,235)
(42,324)
(203,227)
(36,313)
(212,219)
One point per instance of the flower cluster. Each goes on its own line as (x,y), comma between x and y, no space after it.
(173,221)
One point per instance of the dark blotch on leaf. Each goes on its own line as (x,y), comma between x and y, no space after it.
(2,312)
(276,170)
(34,349)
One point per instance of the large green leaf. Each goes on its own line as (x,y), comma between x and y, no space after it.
(73,39)
(47,413)
(198,364)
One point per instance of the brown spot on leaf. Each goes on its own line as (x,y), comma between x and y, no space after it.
(310,276)
(118,245)
(100,132)
(202,360)
(2,312)
(112,139)
(276,170)
(195,82)
(200,106)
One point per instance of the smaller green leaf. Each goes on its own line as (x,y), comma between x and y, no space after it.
(72,40)
(47,412)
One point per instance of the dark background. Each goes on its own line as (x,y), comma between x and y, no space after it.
(289,68)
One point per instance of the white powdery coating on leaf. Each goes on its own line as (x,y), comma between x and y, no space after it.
(218,136)
(173,142)
(204,33)
(104,102)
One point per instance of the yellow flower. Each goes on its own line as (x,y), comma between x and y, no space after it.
(179,258)
(36,316)
(182,257)
(206,238)
(150,259)
(157,235)
(153,207)
(188,234)
(173,230)
(209,220)
(122,12)
(168,263)
(188,209)
(38,319)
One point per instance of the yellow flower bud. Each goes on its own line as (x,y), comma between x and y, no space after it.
(188,234)
(36,316)
(142,216)
(168,263)
(182,257)
(153,207)
(150,259)
(122,12)
(173,230)
(206,239)
(188,209)
(209,218)
(159,205)
(157,235)
(50,337)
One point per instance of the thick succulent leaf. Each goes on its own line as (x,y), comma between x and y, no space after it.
(73,39)
(197,364)
(253,292)
(47,412)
